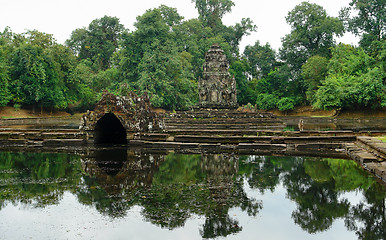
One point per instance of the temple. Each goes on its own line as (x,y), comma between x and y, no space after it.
(217,89)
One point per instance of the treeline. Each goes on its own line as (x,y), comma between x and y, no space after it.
(165,53)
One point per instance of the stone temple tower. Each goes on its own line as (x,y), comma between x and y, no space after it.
(217,89)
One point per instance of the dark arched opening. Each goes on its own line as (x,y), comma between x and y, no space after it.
(109,129)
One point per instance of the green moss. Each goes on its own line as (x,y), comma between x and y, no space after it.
(382,138)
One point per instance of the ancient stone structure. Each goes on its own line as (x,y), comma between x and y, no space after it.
(115,116)
(217,89)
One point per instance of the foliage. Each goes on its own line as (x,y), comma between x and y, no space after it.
(98,42)
(285,104)
(239,71)
(164,56)
(312,32)
(369,21)
(354,80)
(261,59)
(35,79)
(4,79)
(165,75)
(212,11)
(313,72)
(266,101)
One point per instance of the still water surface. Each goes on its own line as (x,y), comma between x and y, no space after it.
(124,194)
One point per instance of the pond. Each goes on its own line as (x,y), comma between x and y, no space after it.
(120,193)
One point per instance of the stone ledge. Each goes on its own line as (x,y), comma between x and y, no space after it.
(373,144)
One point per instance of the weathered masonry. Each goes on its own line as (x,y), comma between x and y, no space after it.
(115,119)
(217,89)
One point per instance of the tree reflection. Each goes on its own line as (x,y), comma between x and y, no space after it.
(317,185)
(210,188)
(38,179)
(170,189)
(317,202)
(368,219)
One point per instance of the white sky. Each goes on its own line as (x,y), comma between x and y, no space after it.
(61,17)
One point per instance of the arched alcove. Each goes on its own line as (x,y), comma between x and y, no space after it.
(109,130)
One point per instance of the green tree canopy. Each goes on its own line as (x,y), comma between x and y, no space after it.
(354,80)
(368,22)
(312,33)
(212,11)
(261,59)
(98,42)
(314,72)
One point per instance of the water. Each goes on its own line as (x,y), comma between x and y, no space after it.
(125,194)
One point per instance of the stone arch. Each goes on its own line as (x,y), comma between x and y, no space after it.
(109,130)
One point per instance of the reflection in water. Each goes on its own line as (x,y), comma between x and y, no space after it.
(172,188)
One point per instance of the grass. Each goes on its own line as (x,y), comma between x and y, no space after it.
(382,138)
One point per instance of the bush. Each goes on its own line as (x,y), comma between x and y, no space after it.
(285,104)
(266,101)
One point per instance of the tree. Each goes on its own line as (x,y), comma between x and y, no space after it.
(312,33)
(154,25)
(261,59)
(98,42)
(153,60)
(4,79)
(314,71)
(166,75)
(34,79)
(79,83)
(369,21)
(36,71)
(212,11)
(5,48)
(354,80)
(239,70)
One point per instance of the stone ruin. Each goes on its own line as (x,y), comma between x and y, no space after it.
(217,89)
(116,116)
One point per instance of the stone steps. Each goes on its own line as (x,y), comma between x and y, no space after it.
(258,132)
(262,139)
(221,122)
(225,126)
(373,145)
(370,153)
(220,115)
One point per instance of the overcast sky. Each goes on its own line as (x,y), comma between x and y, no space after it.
(61,17)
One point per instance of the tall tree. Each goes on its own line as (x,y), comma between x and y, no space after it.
(4,79)
(151,61)
(98,42)
(212,11)
(34,79)
(314,71)
(369,21)
(261,59)
(312,33)
(355,80)
(5,49)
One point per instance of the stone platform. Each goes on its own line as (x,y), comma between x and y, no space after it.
(370,153)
